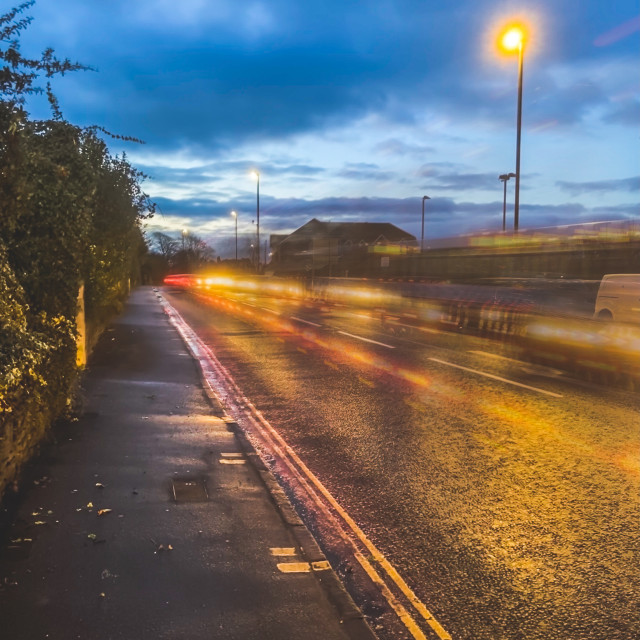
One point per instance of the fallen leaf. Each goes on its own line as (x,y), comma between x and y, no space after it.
(92,536)
(102,512)
(99,485)
(90,505)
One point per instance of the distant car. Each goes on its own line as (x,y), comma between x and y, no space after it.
(619,298)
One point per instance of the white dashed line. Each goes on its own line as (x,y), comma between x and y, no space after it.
(351,335)
(519,362)
(313,324)
(490,375)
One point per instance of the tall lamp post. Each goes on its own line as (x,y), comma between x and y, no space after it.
(235,215)
(505,178)
(422,232)
(513,40)
(256,175)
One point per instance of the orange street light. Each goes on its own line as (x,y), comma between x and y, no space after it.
(512,38)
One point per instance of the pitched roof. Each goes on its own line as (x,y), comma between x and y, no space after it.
(356,232)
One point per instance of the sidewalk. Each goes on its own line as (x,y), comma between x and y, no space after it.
(149,520)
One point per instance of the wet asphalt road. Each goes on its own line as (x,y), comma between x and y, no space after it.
(512,511)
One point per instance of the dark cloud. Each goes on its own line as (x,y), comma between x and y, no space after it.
(441,176)
(631,185)
(215,171)
(209,76)
(444,217)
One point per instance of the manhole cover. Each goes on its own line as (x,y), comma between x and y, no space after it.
(189,490)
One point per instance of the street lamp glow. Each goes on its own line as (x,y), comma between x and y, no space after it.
(512,39)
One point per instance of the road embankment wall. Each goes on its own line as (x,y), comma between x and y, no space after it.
(39,374)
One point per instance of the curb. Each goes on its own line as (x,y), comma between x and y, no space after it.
(351,618)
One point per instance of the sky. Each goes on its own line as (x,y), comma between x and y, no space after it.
(353,110)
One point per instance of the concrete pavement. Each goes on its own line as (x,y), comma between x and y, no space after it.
(149,517)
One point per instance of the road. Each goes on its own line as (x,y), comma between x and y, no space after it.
(505,494)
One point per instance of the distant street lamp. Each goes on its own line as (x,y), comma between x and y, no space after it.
(256,175)
(512,40)
(422,233)
(235,215)
(505,178)
(185,257)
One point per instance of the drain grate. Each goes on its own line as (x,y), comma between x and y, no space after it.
(19,549)
(189,490)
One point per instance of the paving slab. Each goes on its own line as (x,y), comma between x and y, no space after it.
(147,519)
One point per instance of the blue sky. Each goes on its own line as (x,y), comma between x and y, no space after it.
(354,110)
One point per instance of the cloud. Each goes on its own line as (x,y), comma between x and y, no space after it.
(467,181)
(626,114)
(441,176)
(631,185)
(444,217)
(215,74)
(311,93)
(395,147)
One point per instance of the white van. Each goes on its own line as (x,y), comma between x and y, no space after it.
(619,298)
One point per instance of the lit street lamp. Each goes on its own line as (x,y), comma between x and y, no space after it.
(505,177)
(235,215)
(422,233)
(512,40)
(256,175)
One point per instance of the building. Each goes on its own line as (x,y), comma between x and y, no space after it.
(339,248)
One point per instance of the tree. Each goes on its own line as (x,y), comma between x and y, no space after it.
(165,245)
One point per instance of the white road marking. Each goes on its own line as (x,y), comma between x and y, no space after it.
(490,375)
(313,324)
(351,335)
(269,310)
(412,326)
(528,365)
